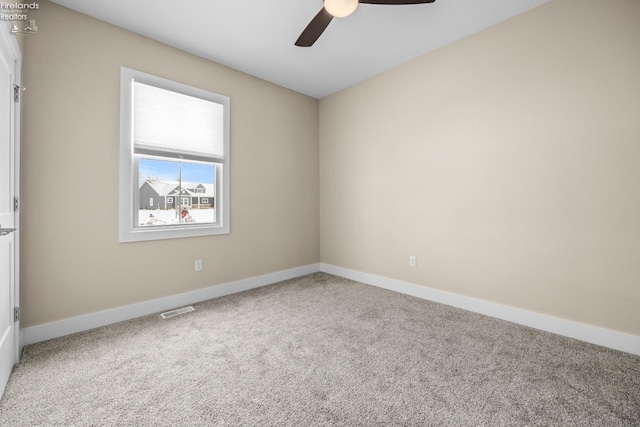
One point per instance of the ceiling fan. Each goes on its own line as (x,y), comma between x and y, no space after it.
(340,9)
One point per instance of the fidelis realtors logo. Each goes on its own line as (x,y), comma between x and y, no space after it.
(18,14)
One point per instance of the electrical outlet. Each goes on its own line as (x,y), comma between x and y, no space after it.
(413,261)
(198,265)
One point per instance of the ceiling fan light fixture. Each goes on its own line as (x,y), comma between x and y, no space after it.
(340,8)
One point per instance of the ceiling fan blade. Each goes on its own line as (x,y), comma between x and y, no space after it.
(396,1)
(315,29)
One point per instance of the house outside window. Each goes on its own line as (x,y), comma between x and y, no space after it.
(174,153)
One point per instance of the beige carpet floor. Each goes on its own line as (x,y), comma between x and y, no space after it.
(321,351)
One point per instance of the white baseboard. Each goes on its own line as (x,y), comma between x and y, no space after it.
(591,334)
(47,331)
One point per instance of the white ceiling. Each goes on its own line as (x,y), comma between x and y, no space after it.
(257,36)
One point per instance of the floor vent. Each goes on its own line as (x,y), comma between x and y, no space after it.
(176,312)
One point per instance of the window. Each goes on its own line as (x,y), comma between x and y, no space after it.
(174,153)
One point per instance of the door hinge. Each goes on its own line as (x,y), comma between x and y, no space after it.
(16,314)
(16,93)
(15,204)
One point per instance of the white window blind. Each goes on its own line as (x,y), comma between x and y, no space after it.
(173,122)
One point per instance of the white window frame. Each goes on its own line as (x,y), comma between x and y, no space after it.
(129,230)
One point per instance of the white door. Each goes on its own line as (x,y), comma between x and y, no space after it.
(8,215)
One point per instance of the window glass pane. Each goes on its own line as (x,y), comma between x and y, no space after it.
(175,192)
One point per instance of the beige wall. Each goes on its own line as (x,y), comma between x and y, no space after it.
(72,263)
(508,163)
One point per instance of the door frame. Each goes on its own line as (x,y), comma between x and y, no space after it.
(16,135)
(17,127)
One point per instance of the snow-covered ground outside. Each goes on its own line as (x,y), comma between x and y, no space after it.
(170,216)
